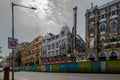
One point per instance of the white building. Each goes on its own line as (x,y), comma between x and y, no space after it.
(57,48)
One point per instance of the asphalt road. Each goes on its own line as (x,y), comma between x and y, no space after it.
(63,76)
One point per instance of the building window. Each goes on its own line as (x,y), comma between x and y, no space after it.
(113,39)
(57,36)
(91,19)
(53,46)
(53,38)
(53,53)
(102,28)
(57,45)
(49,54)
(113,25)
(57,53)
(62,33)
(91,30)
(43,41)
(49,47)
(113,10)
(102,16)
(102,41)
(113,13)
(49,40)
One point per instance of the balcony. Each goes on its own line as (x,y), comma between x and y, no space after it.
(112,45)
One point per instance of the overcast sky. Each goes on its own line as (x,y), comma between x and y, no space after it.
(50,16)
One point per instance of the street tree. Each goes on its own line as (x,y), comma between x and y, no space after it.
(0,52)
(17,58)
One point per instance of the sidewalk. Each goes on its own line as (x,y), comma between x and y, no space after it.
(20,79)
(15,79)
(1,78)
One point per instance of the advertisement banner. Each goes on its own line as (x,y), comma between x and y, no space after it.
(12,43)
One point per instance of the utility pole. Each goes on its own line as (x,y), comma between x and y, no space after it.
(13,5)
(13,38)
(74,29)
(74,32)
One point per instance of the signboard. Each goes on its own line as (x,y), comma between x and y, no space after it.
(12,43)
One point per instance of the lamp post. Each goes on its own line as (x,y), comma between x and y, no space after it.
(13,31)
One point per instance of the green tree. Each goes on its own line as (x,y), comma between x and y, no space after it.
(8,59)
(17,58)
(0,49)
(0,52)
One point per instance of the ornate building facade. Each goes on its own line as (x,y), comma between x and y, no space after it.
(31,52)
(58,48)
(103,31)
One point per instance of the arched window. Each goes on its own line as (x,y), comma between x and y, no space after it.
(102,28)
(113,25)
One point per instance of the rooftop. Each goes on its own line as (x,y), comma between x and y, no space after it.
(102,6)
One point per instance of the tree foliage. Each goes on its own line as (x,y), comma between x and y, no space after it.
(8,59)
(0,49)
(17,57)
(0,52)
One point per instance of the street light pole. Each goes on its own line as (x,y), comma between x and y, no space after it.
(13,38)
(13,32)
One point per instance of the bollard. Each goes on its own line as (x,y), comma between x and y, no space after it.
(6,73)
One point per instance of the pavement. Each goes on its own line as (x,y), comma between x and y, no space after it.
(62,76)
(1,78)
(16,78)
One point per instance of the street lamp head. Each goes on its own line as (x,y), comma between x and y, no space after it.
(34,8)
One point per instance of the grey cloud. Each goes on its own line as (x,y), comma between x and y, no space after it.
(30,24)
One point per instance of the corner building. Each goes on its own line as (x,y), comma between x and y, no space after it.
(58,48)
(103,31)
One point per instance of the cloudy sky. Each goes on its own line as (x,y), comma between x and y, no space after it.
(50,16)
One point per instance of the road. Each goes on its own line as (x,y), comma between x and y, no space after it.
(63,76)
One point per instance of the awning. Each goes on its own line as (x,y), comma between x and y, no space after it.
(91,55)
(102,54)
(113,53)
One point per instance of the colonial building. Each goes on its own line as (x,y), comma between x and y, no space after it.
(58,48)
(31,52)
(103,31)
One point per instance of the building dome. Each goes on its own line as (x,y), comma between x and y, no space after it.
(65,28)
